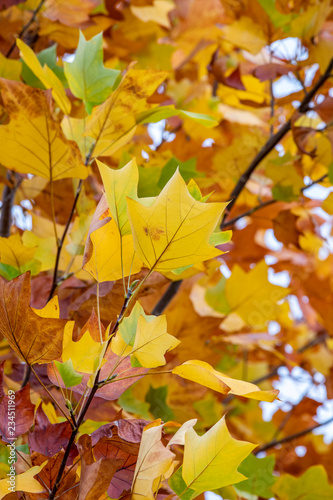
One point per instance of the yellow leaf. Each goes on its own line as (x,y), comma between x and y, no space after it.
(112,256)
(33,142)
(113,123)
(154,461)
(45,74)
(144,337)
(51,310)
(204,374)
(23,482)
(255,301)
(157,13)
(328,204)
(174,231)
(85,353)
(117,185)
(10,68)
(211,460)
(246,34)
(14,253)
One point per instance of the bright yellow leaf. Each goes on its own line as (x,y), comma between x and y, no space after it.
(112,256)
(10,68)
(50,310)
(204,374)
(174,231)
(45,74)
(85,353)
(23,482)
(33,142)
(144,338)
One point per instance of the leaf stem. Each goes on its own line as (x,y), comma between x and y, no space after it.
(86,406)
(51,397)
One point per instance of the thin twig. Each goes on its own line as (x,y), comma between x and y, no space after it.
(274,140)
(166,298)
(265,204)
(291,437)
(86,406)
(26,26)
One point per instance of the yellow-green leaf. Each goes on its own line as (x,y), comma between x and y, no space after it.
(87,77)
(113,123)
(204,374)
(174,231)
(118,184)
(144,338)
(211,460)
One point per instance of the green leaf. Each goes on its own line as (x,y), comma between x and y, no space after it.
(187,170)
(279,20)
(220,238)
(8,272)
(215,297)
(156,397)
(133,405)
(87,76)
(69,376)
(177,483)
(49,57)
(260,476)
(163,112)
(284,193)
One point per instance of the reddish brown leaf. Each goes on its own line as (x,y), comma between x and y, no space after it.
(47,438)
(95,475)
(24,414)
(35,339)
(271,71)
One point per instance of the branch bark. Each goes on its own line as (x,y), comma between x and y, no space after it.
(291,437)
(26,26)
(274,140)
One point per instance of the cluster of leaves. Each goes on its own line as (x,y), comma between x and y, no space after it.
(134,136)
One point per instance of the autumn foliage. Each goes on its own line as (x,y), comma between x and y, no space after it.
(166,254)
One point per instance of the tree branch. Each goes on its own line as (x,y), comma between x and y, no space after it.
(86,406)
(291,437)
(166,298)
(274,140)
(8,197)
(26,26)
(264,204)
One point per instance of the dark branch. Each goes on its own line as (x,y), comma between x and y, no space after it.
(274,140)
(26,26)
(61,243)
(8,196)
(291,437)
(166,298)
(264,204)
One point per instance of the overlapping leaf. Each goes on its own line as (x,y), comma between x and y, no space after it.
(33,142)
